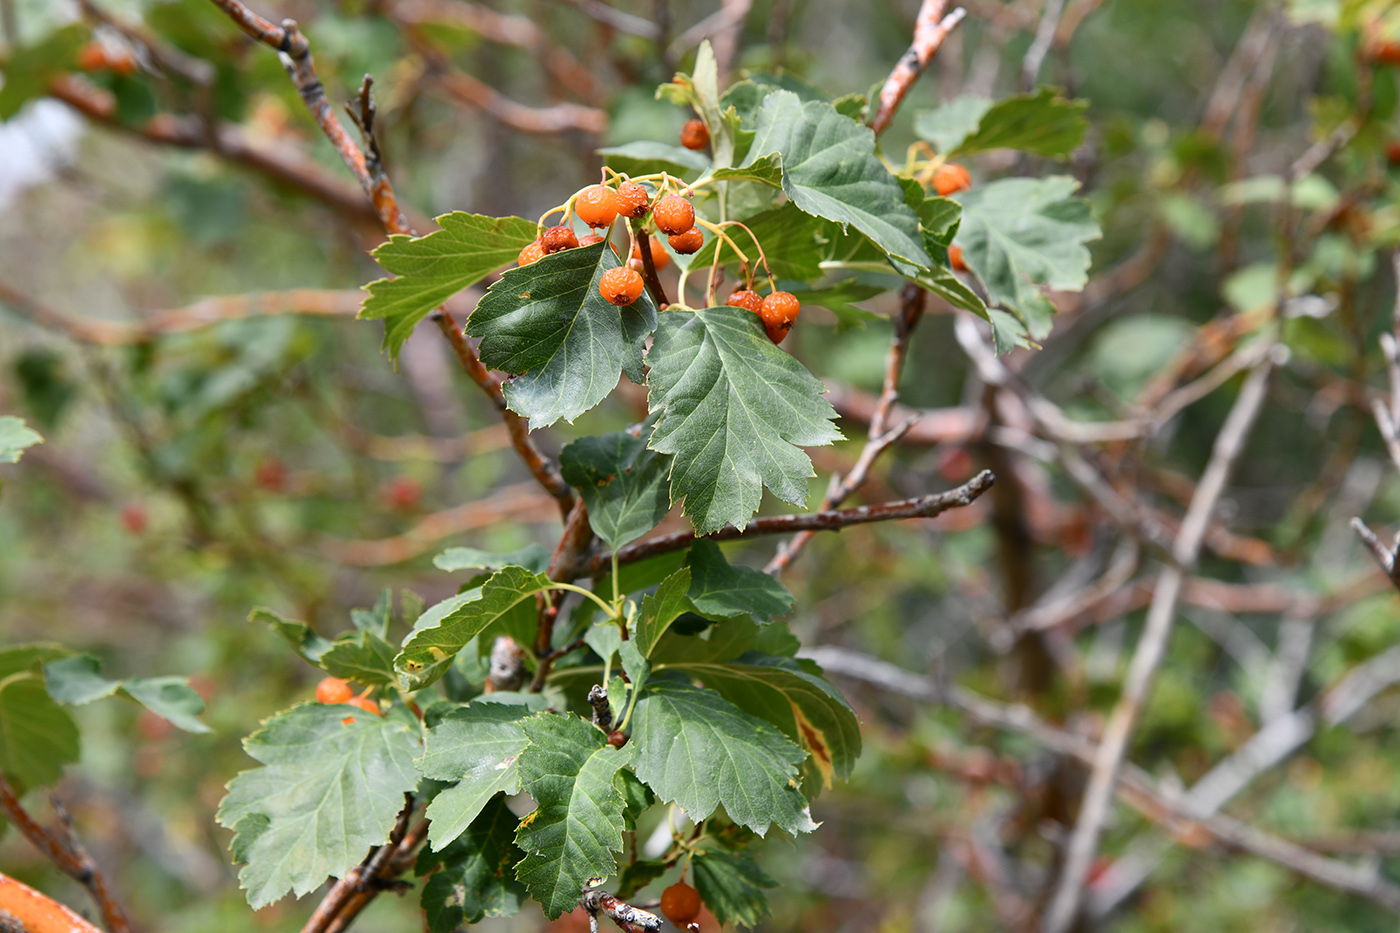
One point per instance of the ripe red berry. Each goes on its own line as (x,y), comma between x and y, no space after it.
(364,703)
(134,518)
(688,242)
(632,199)
(558,238)
(621,286)
(532,253)
(680,903)
(659,257)
(617,739)
(673,214)
(694,135)
(596,206)
(950,177)
(749,301)
(334,690)
(955,259)
(402,493)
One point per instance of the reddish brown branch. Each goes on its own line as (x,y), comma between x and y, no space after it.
(25,910)
(61,846)
(930,29)
(919,507)
(361,879)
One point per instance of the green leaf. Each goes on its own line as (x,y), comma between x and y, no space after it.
(475,880)
(570,839)
(15,436)
(362,656)
(734,408)
(804,706)
(474,747)
(720,590)
(1042,123)
(731,886)
(37,736)
(298,634)
(830,170)
(622,482)
(839,298)
(431,269)
(29,69)
(328,791)
(699,751)
(661,609)
(568,346)
(789,238)
(1018,233)
(533,557)
(75,681)
(701,92)
(505,601)
(645,157)
(377,619)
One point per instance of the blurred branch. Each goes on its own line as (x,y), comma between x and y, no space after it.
(1040,45)
(61,846)
(1387,415)
(881,435)
(616,19)
(919,507)
(521,502)
(203,313)
(295,52)
(1151,649)
(931,28)
(25,910)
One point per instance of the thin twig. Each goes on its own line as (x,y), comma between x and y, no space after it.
(1108,759)
(880,437)
(65,851)
(931,28)
(1040,45)
(918,507)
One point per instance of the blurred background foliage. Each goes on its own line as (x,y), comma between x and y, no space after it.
(278,460)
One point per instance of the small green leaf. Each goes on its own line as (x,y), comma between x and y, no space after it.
(1042,123)
(37,736)
(1018,233)
(377,619)
(661,609)
(533,557)
(570,839)
(474,747)
(298,634)
(701,92)
(830,170)
(329,789)
(474,880)
(15,436)
(731,886)
(28,69)
(362,656)
(505,602)
(699,751)
(734,409)
(568,346)
(720,590)
(431,269)
(75,681)
(622,482)
(645,157)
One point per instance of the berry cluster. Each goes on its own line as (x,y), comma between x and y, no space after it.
(778,311)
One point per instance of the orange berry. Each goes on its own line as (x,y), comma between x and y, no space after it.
(780,308)
(950,177)
(558,238)
(680,903)
(596,206)
(632,199)
(688,242)
(694,135)
(366,704)
(659,257)
(92,57)
(673,214)
(749,301)
(1384,52)
(532,253)
(334,690)
(590,239)
(955,259)
(621,286)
